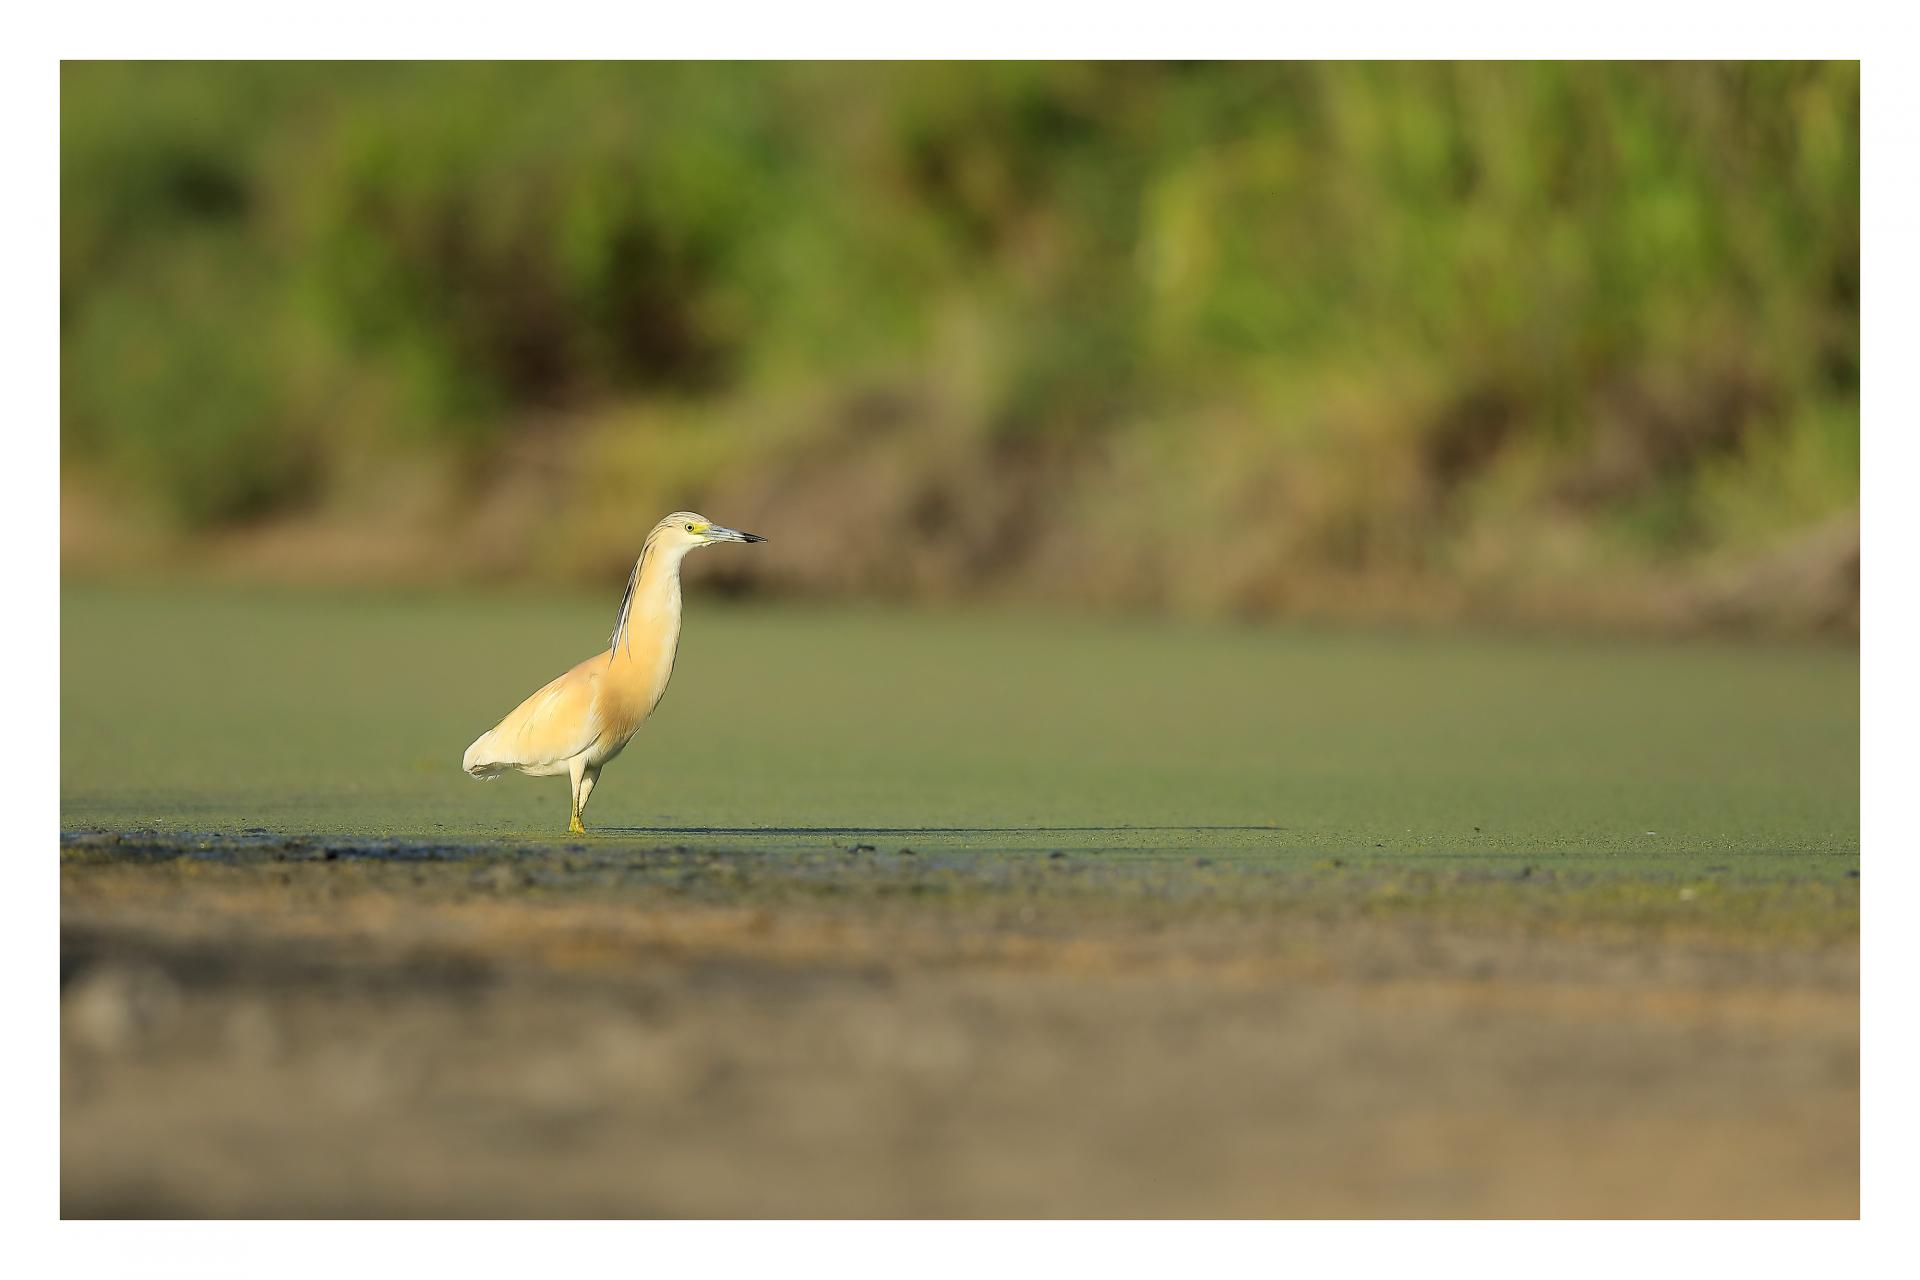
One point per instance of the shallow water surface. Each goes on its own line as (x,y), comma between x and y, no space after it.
(788,728)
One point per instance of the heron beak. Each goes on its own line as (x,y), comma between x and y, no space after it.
(720,533)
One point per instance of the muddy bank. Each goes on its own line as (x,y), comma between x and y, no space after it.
(629,1032)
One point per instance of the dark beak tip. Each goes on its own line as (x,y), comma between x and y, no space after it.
(752,537)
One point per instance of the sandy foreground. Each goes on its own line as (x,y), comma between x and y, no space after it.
(291,1031)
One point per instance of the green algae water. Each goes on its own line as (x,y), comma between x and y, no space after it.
(202,711)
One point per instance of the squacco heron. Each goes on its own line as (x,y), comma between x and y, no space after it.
(585,718)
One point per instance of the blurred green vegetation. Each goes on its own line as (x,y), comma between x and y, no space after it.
(1243,336)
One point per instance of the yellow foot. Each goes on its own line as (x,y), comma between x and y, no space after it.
(576,827)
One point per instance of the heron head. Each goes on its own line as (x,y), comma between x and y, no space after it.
(687,530)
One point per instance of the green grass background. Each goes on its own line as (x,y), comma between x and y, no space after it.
(1414,339)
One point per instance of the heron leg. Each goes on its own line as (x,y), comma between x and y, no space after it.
(576,775)
(583,776)
(587,778)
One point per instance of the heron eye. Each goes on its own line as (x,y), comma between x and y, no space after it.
(689,528)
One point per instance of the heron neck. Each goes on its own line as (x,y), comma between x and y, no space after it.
(657,586)
(651,611)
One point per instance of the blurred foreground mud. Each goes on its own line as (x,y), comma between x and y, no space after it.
(614,1030)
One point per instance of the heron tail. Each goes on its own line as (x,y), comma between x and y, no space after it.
(480,760)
